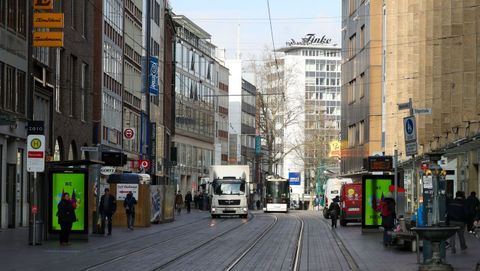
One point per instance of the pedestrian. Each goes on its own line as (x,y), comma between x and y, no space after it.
(456,217)
(108,206)
(334,211)
(195,200)
(129,204)
(178,202)
(66,218)
(258,204)
(472,205)
(188,201)
(387,211)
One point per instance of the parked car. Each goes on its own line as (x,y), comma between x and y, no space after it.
(350,203)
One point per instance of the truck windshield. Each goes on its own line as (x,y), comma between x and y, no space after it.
(230,188)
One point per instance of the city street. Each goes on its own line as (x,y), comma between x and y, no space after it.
(195,241)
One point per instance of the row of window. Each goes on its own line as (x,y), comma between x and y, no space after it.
(192,156)
(321,81)
(323,95)
(248,98)
(112,61)
(194,90)
(321,52)
(113,14)
(13,15)
(312,65)
(248,119)
(193,120)
(356,134)
(352,43)
(134,10)
(12,89)
(194,63)
(356,89)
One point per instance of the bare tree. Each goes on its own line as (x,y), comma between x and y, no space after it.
(276,109)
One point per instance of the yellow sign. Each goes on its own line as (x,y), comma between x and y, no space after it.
(48,39)
(48,20)
(42,4)
(36,143)
(334,148)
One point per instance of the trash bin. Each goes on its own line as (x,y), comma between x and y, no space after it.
(38,233)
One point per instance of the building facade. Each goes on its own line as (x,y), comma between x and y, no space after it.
(195,84)
(14,112)
(221,116)
(362,133)
(311,79)
(438,68)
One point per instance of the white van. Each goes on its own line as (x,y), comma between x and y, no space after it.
(332,189)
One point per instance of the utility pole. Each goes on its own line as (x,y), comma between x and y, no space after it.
(147,81)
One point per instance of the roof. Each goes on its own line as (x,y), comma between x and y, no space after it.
(191,26)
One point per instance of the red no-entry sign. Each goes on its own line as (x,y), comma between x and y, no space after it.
(128,133)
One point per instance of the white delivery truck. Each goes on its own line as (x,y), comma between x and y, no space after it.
(229,190)
(332,189)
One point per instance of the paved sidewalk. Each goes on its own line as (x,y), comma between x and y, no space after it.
(14,245)
(369,253)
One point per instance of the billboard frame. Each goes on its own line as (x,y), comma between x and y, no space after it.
(365,198)
(85,199)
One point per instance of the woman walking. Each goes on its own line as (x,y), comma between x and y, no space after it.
(66,217)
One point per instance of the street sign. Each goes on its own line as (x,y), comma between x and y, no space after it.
(107,170)
(35,127)
(128,133)
(47,39)
(411,148)
(42,4)
(410,128)
(89,149)
(422,111)
(34,209)
(48,20)
(404,106)
(143,164)
(35,153)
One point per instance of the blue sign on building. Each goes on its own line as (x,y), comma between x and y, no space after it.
(258,145)
(294,178)
(153,76)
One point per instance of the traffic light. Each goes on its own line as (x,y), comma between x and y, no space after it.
(114,158)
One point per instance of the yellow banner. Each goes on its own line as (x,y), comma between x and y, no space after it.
(48,20)
(334,149)
(42,4)
(48,39)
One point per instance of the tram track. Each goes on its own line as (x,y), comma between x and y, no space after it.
(298,251)
(235,262)
(343,249)
(216,237)
(136,251)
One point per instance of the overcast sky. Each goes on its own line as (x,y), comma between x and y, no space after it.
(290,19)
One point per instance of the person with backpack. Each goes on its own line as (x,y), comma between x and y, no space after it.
(334,211)
(178,202)
(457,217)
(472,204)
(129,204)
(387,211)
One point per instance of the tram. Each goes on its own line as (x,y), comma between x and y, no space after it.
(277,194)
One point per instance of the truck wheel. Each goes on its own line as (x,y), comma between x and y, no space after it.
(214,216)
(343,222)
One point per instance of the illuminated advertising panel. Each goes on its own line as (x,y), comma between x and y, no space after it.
(375,189)
(73,182)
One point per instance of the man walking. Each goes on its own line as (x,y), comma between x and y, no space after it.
(178,202)
(334,211)
(456,217)
(108,206)
(387,211)
(129,204)
(472,205)
(188,201)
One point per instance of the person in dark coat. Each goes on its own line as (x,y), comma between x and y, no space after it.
(178,202)
(195,200)
(129,204)
(188,201)
(334,211)
(66,218)
(387,211)
(108,206)
(457,217)
(258,204)
(472,205)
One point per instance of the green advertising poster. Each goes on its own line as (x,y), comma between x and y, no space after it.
(72,183)
(375,188)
